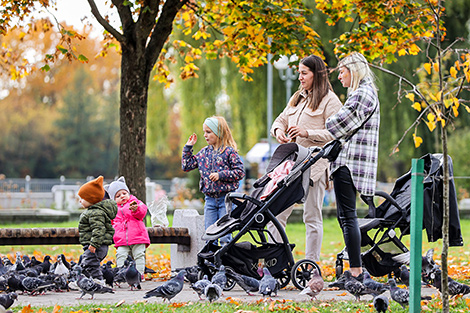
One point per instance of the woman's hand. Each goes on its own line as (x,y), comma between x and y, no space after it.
(192,140)
(296,131)
(281,137)
(214,176)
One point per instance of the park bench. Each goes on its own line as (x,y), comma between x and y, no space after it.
(70,236)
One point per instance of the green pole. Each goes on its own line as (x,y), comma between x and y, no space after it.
(416,233)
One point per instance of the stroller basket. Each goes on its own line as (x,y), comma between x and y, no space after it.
(245,257)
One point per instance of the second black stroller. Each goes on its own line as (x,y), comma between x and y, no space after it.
(250,216)
(383,229)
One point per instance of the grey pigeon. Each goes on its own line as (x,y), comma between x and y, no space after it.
(35,285)
(133,277)
(404,275)
(200,285)
(268,284)
(249,284)
(169,289)
(213,292)
(220,278)
(374,285)
(381,303)
(89,286)
(14,283)
(355,287)
(192,274)
(7,300)
(402,296)
(314,285)
(455,288)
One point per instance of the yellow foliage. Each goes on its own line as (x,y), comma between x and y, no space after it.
(410,96)
(417,140)
(436,67)
(414,49)
(453,72)
(447,103)
(427,67)
(431,125)
(402,52)
(416,106)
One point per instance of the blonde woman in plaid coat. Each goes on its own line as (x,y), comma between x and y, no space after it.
(355,169)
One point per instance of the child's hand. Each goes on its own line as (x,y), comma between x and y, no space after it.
(214,176)
(92,249)
(133,206)
(192,140)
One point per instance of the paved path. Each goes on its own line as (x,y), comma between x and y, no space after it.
(187,295)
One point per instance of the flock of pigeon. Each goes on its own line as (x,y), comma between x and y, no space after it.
(34,277)
(431,275)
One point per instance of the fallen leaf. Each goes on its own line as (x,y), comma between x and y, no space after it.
(120,303)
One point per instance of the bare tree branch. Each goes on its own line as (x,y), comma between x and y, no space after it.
(96,13)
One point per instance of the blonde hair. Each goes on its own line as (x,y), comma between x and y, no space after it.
(225,138)
(359,68)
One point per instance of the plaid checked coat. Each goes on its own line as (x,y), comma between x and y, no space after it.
(360,152)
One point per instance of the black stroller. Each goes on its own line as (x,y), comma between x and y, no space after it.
(382,230)
(250,216)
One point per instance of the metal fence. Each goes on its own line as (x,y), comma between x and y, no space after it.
(29,184)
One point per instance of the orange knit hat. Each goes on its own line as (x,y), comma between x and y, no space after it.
(92,191)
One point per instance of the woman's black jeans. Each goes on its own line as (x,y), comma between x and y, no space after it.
(345,193)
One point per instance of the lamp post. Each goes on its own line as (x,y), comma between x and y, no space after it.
(286,73)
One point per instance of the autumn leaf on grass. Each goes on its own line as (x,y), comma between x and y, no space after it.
(57,309)
(27,309)
(343,294)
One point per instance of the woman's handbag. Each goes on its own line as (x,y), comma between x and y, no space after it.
(333,148)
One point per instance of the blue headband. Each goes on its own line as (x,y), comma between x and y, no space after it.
(213,124)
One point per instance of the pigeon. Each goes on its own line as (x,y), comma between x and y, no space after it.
(339,283)
(455,288)
(200,285)
(267,284)
(374,285)
(46,264)
(192,274)
(108,274)
(381,303)
(3,283)
(61,283)
(3,268)
(402,296)
(314,285)
(355,287)
(213,292)
(428,265)
(34,261)
(89,286)
(404,275)
(133,277)
(60,267)
(26,260)
(120,274)
(35,285)
(249,284)
(220,278)
(18,266)
(169,289)
(148,270)
(7,300)
(14,283)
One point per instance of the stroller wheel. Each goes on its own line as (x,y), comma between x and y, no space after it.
(302,272)
(283,280)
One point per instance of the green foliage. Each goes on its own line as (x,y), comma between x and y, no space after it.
(86,137)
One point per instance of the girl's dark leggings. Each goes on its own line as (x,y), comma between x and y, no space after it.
(345,193)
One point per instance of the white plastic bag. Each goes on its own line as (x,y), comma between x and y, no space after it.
(157,211)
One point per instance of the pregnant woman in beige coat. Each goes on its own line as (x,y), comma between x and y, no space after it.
(303,121)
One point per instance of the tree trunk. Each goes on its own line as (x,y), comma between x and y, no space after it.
(445,225)
(133,120)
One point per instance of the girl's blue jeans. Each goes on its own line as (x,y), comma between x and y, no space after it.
(214,208)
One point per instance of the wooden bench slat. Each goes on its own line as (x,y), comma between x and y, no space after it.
(70,236)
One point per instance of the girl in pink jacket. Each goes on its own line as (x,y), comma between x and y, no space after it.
(130,236)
